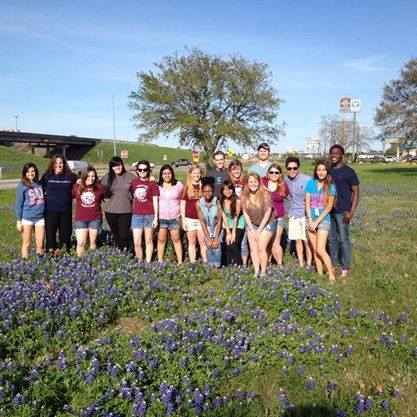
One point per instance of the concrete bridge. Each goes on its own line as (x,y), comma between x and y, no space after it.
(73,147)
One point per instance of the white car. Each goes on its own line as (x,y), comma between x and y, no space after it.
(78,167)
(390,158)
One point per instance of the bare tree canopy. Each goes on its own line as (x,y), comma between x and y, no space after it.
(396,114)
(207,101)
(336,130)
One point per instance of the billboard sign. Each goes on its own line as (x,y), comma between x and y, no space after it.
(345,104)
(355,105)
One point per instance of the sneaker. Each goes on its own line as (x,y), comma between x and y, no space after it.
(345,273)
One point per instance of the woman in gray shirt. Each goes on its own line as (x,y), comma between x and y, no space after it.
(118,209)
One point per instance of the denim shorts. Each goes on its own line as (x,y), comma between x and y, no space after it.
(280,222)
(81,224)
(142,221)
(39,222)
(324,226)
(169,224)
(270,227)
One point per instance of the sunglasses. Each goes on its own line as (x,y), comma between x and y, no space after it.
(142,169)
(292,169)
(275,172)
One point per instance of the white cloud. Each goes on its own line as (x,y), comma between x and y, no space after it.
(368,64)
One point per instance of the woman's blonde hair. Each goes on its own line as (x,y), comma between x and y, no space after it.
(262,195)
(281,181)
(189,190)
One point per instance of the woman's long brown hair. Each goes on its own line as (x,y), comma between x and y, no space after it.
(25,180)
(83,186)
(281,182)
(51,169)
(327,181)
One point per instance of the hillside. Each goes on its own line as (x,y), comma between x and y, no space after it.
(136,151)
(12,161)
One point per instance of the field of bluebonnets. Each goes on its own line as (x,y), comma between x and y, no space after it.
(106,336)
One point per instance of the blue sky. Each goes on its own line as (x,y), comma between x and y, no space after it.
(61,61)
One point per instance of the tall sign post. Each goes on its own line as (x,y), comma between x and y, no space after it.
(355,107)
(344,108)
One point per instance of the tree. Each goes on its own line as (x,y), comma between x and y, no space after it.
(396,113)
(207,100)
(334,129)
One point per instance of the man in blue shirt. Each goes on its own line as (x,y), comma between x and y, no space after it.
(297,182)
(347,187)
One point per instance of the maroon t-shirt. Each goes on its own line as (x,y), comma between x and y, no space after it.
(277,199)
(88,203)
(190,208)
(143,193)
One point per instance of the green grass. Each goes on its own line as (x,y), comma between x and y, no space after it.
(12,161)
(136,151)
(383,279)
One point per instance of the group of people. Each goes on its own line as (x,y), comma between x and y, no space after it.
(228,217)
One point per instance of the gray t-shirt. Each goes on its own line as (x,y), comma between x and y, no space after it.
(259,169)
(121,196)
(219,178)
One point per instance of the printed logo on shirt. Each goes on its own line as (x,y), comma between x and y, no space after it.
(36,196)
(88,199)
(140,193)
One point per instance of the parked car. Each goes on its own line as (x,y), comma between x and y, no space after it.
(390,158)
(370,158)
(181,163)
(412,158)
(78,167)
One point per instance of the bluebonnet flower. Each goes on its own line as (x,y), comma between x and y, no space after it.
(18,400)
(385,405)
(310,383)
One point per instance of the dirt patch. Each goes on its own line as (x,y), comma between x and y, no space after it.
(129,326)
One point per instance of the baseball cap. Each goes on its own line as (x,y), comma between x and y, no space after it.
(264,145)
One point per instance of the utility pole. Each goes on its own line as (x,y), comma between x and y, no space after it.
(16,117)
(114,129)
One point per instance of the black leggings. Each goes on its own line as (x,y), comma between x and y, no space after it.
(58,221)
(233,254)
(120,227)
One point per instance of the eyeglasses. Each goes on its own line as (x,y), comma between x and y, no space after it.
(142,169)
(292,168)
(275,172)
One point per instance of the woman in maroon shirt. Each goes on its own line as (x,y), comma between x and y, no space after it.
(145,209)
(88,194)
(190,223)
(274,182)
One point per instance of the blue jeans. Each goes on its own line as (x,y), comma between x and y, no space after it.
(214,256)
(339,243)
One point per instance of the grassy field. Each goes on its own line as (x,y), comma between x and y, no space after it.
(12,160)
(136,151)
(383,283)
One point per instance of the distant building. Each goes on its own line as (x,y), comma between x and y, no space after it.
(313,145)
